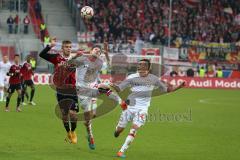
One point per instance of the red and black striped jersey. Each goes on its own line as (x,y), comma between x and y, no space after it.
(64,74)
(27,71)
(15,74)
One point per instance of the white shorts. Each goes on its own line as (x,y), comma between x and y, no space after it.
(4,82)
(136,116)
(88,103)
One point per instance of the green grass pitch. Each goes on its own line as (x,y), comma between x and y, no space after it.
(191,124)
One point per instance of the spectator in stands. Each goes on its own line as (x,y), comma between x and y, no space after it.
(202,72)
(206,21)
(10,22)
(190,72)
(26,22)
(219,73)
(46,40)
(38,10)
(16,23)
(174,72)
(33,63)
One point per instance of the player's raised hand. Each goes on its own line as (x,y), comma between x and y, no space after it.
(105,51)
(183,84)
(53,42)
(172,88)
(79,53)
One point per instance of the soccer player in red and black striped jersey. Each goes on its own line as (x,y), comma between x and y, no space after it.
(27,73)
(64,83)
(15,83)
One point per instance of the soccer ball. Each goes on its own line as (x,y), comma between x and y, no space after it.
(87,12)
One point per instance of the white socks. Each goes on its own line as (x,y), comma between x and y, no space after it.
(88,125)
(128,140)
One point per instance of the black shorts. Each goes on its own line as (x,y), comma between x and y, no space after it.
(68,102)
(28,83)
(14,87)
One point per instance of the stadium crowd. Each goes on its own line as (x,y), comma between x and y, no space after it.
(206,20)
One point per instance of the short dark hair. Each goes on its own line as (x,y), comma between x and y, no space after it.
(97,46)
(147,61)
(16,55)
(66,42)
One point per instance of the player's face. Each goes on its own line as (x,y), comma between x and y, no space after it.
(5,59)
(143,68)
(16,59)
(67,49)
(96,52)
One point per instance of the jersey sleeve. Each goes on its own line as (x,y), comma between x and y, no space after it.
(11,70)
(77,61)
(47,56)
(160,84)
(126,83)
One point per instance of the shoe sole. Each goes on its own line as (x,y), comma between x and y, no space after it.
(121,156)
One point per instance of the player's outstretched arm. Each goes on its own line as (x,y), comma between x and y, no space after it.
(174,88)
(120,87)
(77,54)
(166,87)
(10,72)
(44,53)
(115,87)
(76,62)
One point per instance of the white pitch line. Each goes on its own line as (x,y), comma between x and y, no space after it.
(222,101)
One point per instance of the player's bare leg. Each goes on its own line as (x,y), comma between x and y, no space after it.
(73,121)
(118,131)
(94,107)
(19,98)
(128,141)
(88,124)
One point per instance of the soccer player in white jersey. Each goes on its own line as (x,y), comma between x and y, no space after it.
(87,70)
(141,84)
(4,68)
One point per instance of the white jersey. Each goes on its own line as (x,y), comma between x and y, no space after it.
(4,68)
(87,71)
(141,89)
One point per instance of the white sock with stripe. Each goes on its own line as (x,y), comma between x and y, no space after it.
(128,140)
